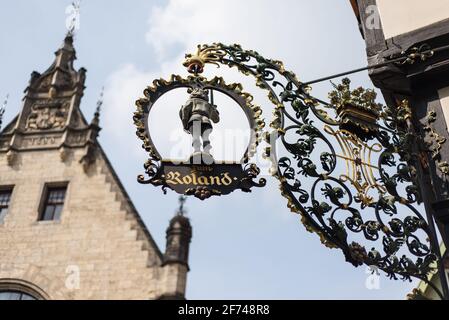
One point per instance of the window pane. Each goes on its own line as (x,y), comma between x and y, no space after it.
(27,297)
(5,197)
(56,196)
(57,212)
(15,295)
(48,214)
(4,296)
(3,212)
(9,296)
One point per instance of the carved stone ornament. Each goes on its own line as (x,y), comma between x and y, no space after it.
(89,158)
(47,116)
(63,154)
(11,157)
(46,82)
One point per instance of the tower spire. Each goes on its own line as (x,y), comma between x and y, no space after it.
(94,129)
(176,257)
(3,108)
(179,234)
(51,104)
(66,54)
(96,119)
(62,66)
(182,200)
(100,101)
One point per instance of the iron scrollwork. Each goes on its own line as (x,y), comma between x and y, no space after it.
(349,168)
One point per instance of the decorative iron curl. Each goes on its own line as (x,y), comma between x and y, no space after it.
(331,209)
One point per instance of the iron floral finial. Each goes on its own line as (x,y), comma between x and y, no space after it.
(205,54)
(422,53)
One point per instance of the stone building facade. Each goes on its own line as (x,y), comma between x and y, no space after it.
(68,229)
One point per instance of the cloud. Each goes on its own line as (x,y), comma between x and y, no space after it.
(255,24)
(177,28)
(186,23)
(281,32)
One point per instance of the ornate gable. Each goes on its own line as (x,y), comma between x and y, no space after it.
(51,117)
(99,216)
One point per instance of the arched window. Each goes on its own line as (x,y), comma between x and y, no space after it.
(15,295)
(17,289)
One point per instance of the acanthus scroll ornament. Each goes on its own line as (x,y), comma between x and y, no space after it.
(436,142)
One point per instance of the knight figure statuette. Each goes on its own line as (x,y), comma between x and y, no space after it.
(197,116)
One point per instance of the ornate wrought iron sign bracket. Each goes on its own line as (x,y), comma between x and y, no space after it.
(348,167)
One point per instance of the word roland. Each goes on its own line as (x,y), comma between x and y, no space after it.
(176,178)
(204,311)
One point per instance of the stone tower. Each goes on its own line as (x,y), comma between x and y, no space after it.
(176,257)
(68,229)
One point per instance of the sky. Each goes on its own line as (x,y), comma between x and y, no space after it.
(244,246)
